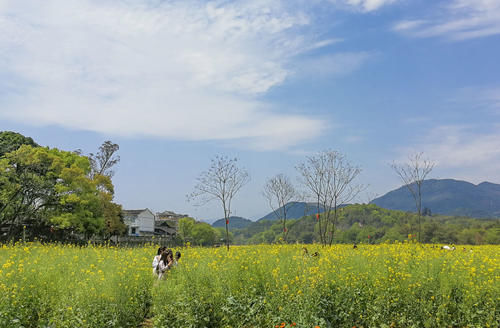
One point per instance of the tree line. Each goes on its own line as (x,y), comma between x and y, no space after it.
(369,223)
(54,194)
(328,179)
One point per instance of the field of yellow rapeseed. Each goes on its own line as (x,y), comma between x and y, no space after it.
(391,285)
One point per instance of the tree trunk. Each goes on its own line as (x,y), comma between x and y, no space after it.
(419,214)
(334,220)
(226,217)
(321,237)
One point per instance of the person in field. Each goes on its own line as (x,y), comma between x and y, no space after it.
(177,258)
(156,259)
(166,262)
(306,253)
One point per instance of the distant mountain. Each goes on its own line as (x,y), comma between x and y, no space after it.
(235,222)
(294,210)
(448,197)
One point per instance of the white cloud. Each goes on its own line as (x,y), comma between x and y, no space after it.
(464,151)
(459,20)
(364,5)
(485,98)
(187,70)
(408,24)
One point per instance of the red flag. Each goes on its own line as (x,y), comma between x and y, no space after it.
(317,216)
(227,221)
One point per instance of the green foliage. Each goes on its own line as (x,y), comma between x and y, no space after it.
(11,141)
(221,236)
(112,213)
(357,222)
(42,187)
(235,222)
(185,228)
(200,233)
(203,234)
(448,197)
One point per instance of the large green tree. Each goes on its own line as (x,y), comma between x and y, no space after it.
(42,187)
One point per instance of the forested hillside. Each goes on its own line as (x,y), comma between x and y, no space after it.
(235,222)
(294,210)
(373,224)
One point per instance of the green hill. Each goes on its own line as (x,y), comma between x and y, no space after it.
(357,222)
(294,210)
(448,197)
(235,222)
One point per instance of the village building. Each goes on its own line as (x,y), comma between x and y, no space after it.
(139,222)
(167,223)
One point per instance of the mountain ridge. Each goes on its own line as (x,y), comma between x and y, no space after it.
(448,197)
(295,210)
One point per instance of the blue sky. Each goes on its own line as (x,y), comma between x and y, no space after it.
(176,82)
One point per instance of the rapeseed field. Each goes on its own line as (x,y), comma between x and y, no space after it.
(388,285)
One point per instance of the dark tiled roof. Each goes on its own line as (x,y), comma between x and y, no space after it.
(165,223)
(170,214)
(165,230)
(132,212)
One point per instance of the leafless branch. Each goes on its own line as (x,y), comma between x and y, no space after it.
(105,159)
(279,191)
(413,174)
(329,178)
(222,181)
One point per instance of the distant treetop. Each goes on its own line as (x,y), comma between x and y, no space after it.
(11,141)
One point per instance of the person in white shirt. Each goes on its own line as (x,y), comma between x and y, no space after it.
(166,262)
(156,259)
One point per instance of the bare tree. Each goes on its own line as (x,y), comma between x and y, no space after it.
(413,174)
(329,178)
(222,181)
(369,196)
(279,191)
(105,159)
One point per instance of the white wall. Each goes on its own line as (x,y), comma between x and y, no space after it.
(146,221)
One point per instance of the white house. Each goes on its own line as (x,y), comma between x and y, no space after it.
(139,222)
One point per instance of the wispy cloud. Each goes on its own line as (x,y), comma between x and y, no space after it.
(363,5)
(484,97)
(459,20)
(408,25)
(471,152)
(187,70)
